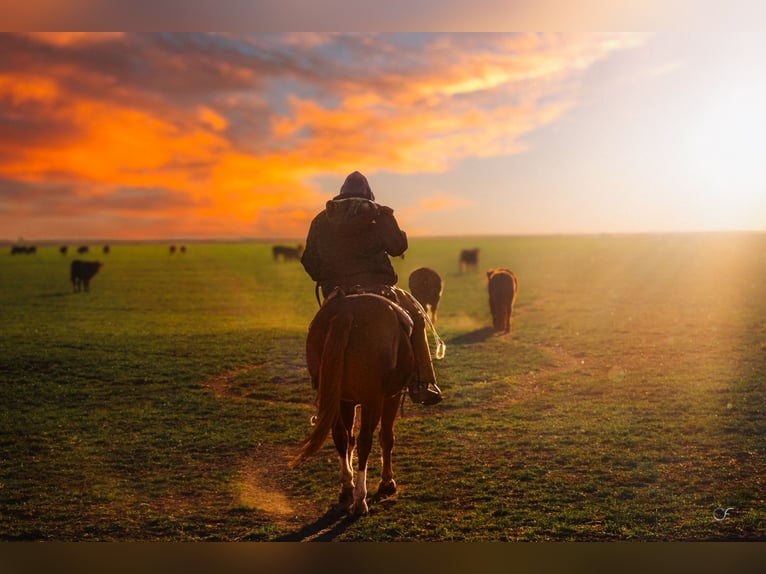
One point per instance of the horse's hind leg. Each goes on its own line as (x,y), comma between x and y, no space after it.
(387,485)
(370,418)
(341,434)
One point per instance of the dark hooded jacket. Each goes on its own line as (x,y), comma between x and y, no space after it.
(349,243)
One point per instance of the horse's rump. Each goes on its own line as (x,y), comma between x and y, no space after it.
(357,351)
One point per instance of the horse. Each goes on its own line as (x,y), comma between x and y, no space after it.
(358,352)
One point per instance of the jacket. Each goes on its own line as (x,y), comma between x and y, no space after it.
(349,244)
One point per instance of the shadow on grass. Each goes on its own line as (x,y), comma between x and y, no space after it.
(336,521)
(325,529)
(473,337)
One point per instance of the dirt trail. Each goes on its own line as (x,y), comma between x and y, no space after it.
(529,383)
(221,383)
(260,482)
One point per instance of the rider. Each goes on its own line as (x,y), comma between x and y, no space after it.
(348,245)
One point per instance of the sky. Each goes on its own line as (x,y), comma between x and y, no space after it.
(139,136)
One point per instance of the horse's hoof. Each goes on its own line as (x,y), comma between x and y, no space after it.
(346,495)
(386,489)
(359,508)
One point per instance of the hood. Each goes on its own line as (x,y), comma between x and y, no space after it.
(356,185)
(350,215)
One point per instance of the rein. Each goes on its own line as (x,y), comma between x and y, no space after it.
(441,346)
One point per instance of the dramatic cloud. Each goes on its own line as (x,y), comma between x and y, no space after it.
(200,135)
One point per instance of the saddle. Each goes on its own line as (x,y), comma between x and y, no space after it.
(382,291)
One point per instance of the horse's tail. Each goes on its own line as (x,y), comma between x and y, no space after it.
(330,381)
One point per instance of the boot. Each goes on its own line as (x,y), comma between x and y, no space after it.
(425,393)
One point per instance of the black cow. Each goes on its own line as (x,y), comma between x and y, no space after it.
(82,249)
(81,272)
(63,249)
(469,259)
(17,249)
(287,252)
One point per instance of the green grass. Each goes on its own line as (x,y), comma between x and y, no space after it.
(627,404)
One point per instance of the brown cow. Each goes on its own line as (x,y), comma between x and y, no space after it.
(469,259)
(426,286)
(503,288)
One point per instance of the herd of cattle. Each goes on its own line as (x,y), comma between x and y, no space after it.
(425,284)
(80,272)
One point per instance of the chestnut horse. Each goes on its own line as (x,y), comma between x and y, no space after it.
(358,352)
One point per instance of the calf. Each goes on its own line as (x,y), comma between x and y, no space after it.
(426,286)
(81,272)
(503,288)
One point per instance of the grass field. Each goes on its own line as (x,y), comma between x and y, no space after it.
(627,404)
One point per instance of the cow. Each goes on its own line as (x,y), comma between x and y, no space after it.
(287,252)
(82,249)
(426,286)
(106,249)
(469,259)
(503,288)
(63,249)
(172,249)
(23,249)
(182,249)
(81,272)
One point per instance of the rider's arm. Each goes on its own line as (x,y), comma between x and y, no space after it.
(310,258)
(394,239)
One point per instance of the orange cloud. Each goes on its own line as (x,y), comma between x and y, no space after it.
(212,119)
(72,38)
(239,126)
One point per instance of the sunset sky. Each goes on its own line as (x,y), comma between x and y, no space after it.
(158,136)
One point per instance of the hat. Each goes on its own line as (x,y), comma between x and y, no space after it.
(356,186)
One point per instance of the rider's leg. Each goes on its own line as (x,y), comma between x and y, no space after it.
(424,390)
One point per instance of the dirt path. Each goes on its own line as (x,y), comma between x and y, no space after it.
(260,481)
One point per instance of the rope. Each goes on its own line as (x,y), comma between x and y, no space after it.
(441,346)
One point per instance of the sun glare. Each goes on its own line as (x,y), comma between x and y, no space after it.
(725,158)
